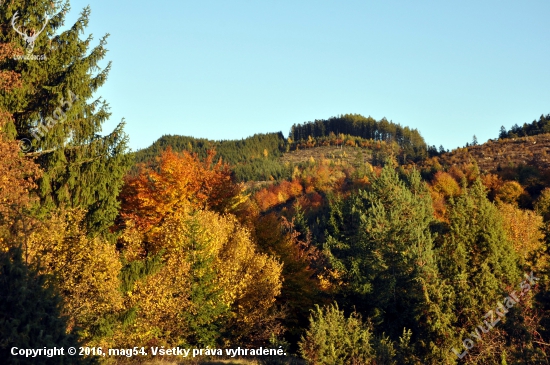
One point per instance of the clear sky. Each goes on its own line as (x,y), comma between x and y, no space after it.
(229,69)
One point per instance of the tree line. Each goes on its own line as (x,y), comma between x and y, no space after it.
(535,127)
(408,139)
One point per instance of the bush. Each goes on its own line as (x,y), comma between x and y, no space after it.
(333,339)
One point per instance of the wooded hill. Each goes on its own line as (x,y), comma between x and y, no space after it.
(270,156)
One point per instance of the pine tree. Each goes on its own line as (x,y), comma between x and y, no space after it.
(56,112)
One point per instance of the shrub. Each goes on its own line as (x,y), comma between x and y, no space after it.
(333,339)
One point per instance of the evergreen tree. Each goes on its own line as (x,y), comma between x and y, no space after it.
(478,260)
(390,265)
(503,133)
(30,314)
(56,112)
(333,339)
(206,316)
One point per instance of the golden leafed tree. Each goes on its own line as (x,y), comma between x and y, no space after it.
(84,269)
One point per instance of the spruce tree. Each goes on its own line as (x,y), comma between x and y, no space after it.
(206,317)
(57,114)
(390,264)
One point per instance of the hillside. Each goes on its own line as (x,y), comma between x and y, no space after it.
(509,152)
(337,154)
(252,158)
(270,156)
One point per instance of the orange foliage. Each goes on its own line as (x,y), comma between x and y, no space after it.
(493,183)
(17,173)
(468,172)
(175,182)
(266,198)
(278,194)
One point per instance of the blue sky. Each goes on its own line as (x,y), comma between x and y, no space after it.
(229,69)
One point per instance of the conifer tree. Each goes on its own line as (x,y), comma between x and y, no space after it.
(205,317)
(57,113)
(479,261)
(390,264)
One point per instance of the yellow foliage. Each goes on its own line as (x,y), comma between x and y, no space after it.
(249,280)
(542,205)
(509,192)
(85,269)
(445,184)
(524,228)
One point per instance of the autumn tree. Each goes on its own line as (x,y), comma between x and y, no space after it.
(19,174)
(525,229)
(509,192)
(174,182)
(85,270)
(214,256)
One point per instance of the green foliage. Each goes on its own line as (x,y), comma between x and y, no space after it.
(247,156)
(333,339)
(206,316)
(542,205)
(56,110)
(276,343)
(481,253)
(262,170)
(536,127)
(381,239)
(409,140)
(139,269)
(30,314)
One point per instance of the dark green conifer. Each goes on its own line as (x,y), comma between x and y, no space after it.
(58,112)
(206,318)
(390,264)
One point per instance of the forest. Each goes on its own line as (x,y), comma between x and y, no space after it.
(349,241)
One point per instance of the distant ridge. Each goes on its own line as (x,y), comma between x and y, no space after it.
(259,157)
(409,140)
